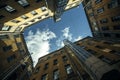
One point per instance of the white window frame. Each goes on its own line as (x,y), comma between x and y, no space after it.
(33,12)
(43,8)
(6,28)
(9,8)
(23,3)
(15,21)
(24,17)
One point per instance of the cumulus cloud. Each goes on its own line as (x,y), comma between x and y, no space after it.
(78,38)
(65,35)
(59,42)
(39,43)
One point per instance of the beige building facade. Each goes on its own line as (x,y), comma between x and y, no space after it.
(104,18)
(15,59)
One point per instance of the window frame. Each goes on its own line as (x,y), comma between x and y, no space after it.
(23,3)
(9,8)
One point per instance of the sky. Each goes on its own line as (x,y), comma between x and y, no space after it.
(47,36)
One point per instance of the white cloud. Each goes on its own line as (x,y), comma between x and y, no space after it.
(39,43)
(65,35)
(59,42)
(78,38)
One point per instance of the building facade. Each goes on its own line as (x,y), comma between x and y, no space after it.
(15,60)
(16,15)
(104,18)
(58,66)
(100,58)
(87,59)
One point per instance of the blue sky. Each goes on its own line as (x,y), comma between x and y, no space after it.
(47,36)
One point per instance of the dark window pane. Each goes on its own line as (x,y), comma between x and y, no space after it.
(104,28)
(103,21)
(107,35)
(11,58)
(7,48)
(55,62)
(44,77)
(64,58)
(46,66)
(117,35)
(115,18)
(100,10)
(117,27)
(105,59)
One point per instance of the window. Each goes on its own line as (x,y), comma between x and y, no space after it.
(46,66)
(91,51)
(100,10)
(4,36)
(6,28)
(47,14)
(114,3)
(105,28)
(7,48)
(37,69)
(48,57)
(15,21)
(100,47)
(9,8)
(22,51)
(105,59)
(61,52)
(56,74)
(108,42)
(26,23)
(1,16)
(38,0)
(44,77)
(105,20)
(86,1)
(24,17)
(98,1)
(115,18)
(115,52)
(23,3)
(33,12)
(55,62)
(94,23)
(91,14)
(32,20)
(18,28)
(19,45)
(117,35)
(107,35)
(64,58)
(16,35)
(33,79)
(68,69)
(11,58)
(39,17)
(117,27)
(43,8)
(89,7)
